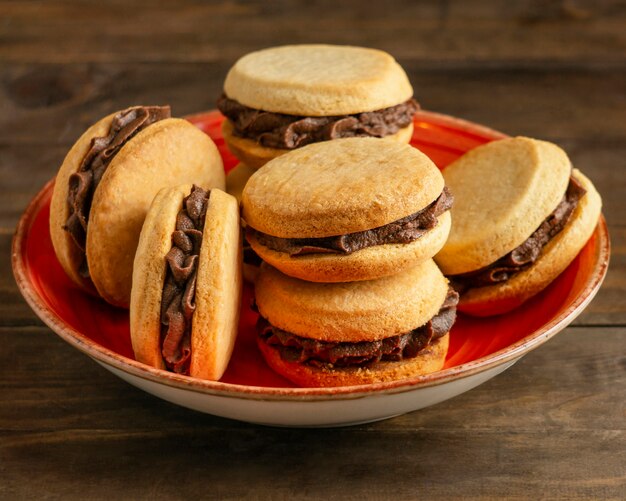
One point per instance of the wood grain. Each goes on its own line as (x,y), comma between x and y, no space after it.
(529,432)
(436,33)
(63,100)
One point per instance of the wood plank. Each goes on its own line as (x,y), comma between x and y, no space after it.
(436,33)
(55,103)
(532,432)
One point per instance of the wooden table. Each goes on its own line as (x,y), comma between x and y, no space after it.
(553,426)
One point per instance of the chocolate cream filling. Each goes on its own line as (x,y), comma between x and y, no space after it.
(277,130)
(179,290)
(293,348)
(402,231)
(83,183)
(523,256)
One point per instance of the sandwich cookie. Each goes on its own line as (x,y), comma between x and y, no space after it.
(282,98)
(348,209)
(236,179)
(356,333)
(186,293)
(106,184)
(521,215)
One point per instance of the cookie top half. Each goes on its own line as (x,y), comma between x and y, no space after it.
(338,187)
(318,80)
(502,191)
(351,311)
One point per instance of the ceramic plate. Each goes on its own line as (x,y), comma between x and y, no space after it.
(250,391)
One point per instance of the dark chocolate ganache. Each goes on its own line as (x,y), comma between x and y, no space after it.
(402,231)
(83,183)
(277,130)
(523,256)
(293,348)
(179,289)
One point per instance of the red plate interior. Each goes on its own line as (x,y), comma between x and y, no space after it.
(441,138)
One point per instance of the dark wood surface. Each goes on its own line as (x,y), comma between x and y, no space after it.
(551,427)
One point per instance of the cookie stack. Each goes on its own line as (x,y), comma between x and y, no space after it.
(282,98)
(349,293)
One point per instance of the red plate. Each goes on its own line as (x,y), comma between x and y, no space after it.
(102,331)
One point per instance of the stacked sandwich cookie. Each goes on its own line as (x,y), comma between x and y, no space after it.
(349,293)
(347,210)
(280,99)
(521,216)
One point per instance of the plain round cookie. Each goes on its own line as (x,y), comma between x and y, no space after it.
(318,80)
(353,311)
(431,359)
(149,271)
(554,258)
(68,254)
(168,153)
(256,155)
(339,187)
(218,284)
(365,264)
(502,191)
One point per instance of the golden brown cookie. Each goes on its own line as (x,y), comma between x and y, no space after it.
(164,153)
(554,258)
(503,190)
(345,210)
(326,91)
(354,333)
(521,215)
(318,80)
(210,329)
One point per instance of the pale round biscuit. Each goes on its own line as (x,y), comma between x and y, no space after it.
(366,264)
(318,80)
(502,191)
(67,252)
(237,178)
(218,289)
(339,187)
(149,271)
(168,153)
(431,359)
(256,155)
(353,311)
(554,258)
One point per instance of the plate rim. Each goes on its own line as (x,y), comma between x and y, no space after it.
(249,392)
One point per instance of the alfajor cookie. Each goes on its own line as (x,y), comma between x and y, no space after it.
(345,210)
(236,179)
(186,292)
(282,98)
(356,333)
(521,215)
(106,184)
